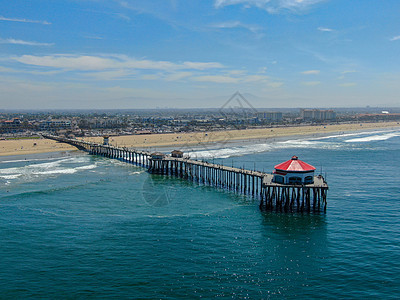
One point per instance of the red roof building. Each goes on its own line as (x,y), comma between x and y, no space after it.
(295,165)
(294,171)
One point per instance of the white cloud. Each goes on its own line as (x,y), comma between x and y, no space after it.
(200,65)
(272,6)
(237,72)
(150,77)
(395,38)
(325,29)
(344,74)
(216,79)
(348,71)
(16,71)
(25,43)
(311,72)
(24,20)
(110,75)
(232,79)
(236,24)
(177,76)
(311,83)
(93,63)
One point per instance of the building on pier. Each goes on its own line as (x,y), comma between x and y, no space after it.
(177,153)
(157,155)
(294,171)
(106,140)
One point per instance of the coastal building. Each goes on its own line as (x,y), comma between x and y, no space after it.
(270,116)
(10,126)
(317,114)
(106,140)
(51,125)
(294,171)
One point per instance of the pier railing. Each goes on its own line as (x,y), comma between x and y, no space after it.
(259,185)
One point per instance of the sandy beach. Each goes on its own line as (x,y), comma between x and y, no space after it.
(31,146)
(195,138)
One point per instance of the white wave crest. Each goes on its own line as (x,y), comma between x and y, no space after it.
(34,171)
(261,147)
(229,152)
(382,137)
(89,167)
(57,171)
(12,176)
(351,134)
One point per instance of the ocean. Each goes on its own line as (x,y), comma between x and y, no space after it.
(79,226)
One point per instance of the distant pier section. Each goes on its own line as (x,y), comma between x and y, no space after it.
(291,187)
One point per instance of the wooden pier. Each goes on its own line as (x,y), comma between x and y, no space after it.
(259,185)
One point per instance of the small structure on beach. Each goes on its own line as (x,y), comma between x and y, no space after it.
(106,139)
(177,153)
(294,171)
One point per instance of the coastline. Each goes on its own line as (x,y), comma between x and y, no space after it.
(192,139)
(212,137)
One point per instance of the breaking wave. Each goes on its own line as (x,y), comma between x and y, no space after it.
(330,142)
(376,137)
(33,171)
(261,147)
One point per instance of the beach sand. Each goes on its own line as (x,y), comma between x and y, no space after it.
(179,140)
(196,138)
(31,146)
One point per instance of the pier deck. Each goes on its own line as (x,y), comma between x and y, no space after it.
(259,185)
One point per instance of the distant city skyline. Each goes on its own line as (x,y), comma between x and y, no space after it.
(127,54)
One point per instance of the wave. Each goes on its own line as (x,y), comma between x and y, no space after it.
(11,176)
(352,134)
(306,142)
(136,173)
(31,159)
(89,167)
(59,171)
(382,137)
(32,171)
(259,148)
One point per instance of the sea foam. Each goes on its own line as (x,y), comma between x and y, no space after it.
(377,137)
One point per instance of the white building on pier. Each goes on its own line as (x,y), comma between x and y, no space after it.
(294,171)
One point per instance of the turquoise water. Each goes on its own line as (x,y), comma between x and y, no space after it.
(79,226)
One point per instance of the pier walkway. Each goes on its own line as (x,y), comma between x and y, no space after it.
(259,185)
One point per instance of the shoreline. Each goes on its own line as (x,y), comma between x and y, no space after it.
(227,136)
(192,139)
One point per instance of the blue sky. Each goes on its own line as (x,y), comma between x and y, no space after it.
(196,53)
